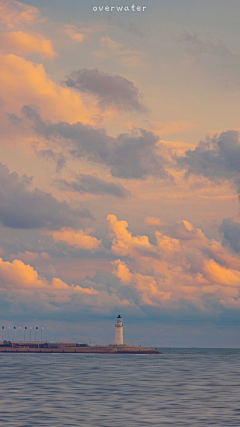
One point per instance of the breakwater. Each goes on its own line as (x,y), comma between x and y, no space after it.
(74,348)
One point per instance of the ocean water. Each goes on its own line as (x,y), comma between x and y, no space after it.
(181,387)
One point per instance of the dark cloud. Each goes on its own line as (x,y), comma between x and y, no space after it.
(215,158)
(136,157)
(58,158)
(22,208)
(230,231)
(93,185)
(111,90)
(128,156)
(82,140)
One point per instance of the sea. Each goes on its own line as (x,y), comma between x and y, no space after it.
(180,387)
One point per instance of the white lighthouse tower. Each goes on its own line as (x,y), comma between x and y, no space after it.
(119,331)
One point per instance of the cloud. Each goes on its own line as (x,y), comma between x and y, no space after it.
(152,221)
(58,158)
(111,90)
(13,13)
(22,208)
(25,290)
(25,82)
(21,43)
(27,256)
(88,291)
(184,230)
(185,266)
(230,231)
(136,157)
(76,238)
(89,184)
(123,241)
(221,275)
(122,272)
(184,269)
(130,156)
(19,275)
(85,141)
(73,34)
(216,158)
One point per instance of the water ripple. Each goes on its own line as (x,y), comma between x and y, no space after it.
(195,388)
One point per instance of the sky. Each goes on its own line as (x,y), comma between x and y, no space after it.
(120,170)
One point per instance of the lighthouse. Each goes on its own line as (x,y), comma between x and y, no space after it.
(119,331)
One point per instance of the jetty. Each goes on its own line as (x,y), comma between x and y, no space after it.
(48,347)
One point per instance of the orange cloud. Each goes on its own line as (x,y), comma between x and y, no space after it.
(14,12)
(17,274)
(78,239)
(222,275)
(149,290)
(223,257)
(122,272)
(21,43)
(183,266)
(59,284)
(22,284)
(166,243)
(123,240)
(26,83)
